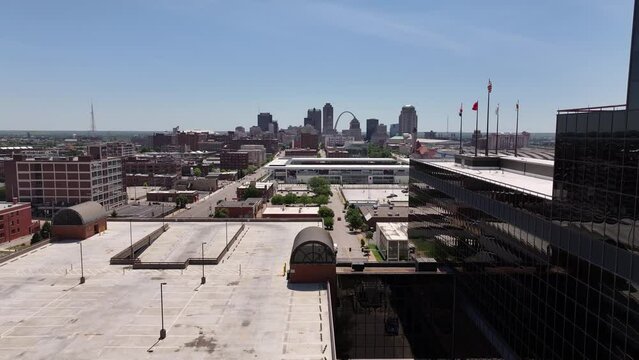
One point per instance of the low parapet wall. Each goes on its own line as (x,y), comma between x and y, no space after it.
(124,256)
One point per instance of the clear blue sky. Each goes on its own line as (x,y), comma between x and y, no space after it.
(206,64)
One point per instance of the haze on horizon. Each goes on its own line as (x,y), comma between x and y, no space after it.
(206,64)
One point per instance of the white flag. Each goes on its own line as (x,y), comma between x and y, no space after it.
(497,110)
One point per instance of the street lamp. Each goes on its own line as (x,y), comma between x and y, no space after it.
(162,331)
(81,264)
(227,235)
(203,277)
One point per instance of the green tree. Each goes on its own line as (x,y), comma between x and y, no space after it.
(197,172)
(251,192)
(45,232)
(319,185)
(221,213)
(328,223)
(36,238)
(325,211)
(277,199)
(251,169)
(145,149)
(321,199)
(376,151)
(354,218)
(304,199)
(181,201)
(290,198)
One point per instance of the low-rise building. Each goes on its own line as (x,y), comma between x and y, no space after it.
(290,212)
(391,239)
(15,221)
(265,189)
(170,195)
(374,214)
(246,209)
(300,152)
(111,149)
(256,154)
(208,183)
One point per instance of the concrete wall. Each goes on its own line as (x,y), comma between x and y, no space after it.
(312,273)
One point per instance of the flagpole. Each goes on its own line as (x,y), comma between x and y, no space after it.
(497,133)
(461,117)
(487,117)
(476,129)
(516,128)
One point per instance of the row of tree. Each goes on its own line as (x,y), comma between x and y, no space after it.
(290,199)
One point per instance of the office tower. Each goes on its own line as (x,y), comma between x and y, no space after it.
(380,135)
(544,256)
(314,118)
(263,121)
(407,119)
(371,127)
(327,120)
(394,130)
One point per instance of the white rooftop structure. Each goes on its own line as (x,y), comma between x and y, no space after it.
(525,183)
(395,231)
(291,210)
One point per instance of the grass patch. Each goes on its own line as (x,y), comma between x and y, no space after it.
(378,256)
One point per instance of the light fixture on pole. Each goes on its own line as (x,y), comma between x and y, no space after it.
(162,331)
(203,277)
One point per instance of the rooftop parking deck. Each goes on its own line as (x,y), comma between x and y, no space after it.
(245,310)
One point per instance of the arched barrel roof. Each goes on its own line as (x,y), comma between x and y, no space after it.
(81,214)
(313,245)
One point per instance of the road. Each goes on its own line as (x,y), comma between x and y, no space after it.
(206,206)
(341,235)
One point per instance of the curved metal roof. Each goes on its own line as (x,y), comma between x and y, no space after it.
(80,214)
(321,241)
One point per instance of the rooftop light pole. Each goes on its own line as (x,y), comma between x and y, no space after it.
(131,240)
(203,277)
(162,331)
(81,264)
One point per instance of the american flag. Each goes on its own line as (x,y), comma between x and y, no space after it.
(490,86)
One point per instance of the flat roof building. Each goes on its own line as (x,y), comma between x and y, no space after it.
(392,240)
(16,221)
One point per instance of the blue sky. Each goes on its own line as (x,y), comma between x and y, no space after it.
(206,64)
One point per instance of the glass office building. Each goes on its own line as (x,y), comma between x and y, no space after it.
(551,269)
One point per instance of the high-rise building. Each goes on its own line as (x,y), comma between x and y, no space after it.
(314,117)
(394,130)
(371,127)
(264,120)
(407,119)
(544,257)
(327,120)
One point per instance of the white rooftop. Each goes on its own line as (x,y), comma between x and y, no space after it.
(395,231)
(530,184)
(291,210)
(7,205)
(530,160)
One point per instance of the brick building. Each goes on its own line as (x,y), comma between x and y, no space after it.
(246,209)
(309,141)
(234,160)
(152,171)
(170,195)
(300,153)
(111,149)
(15,221)
(53,183)
(266,190)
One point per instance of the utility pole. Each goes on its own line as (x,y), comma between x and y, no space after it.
(203,277)
(162,331)
(81,264)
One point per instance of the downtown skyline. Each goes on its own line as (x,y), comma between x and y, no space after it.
(189,65)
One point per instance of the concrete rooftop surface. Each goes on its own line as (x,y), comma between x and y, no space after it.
(252,313)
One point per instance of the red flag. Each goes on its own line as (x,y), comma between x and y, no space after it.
(476,106)
(461,109)
(490,86)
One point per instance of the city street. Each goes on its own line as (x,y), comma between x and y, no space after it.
(341,235)
(206,206)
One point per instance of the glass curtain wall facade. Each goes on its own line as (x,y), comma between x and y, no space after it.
(552,277)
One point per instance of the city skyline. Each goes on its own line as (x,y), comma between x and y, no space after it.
(167,71)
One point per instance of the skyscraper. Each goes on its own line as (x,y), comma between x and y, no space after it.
(371,127)
(314,117)
(264,120)
(545,257)
(407,119)
(327,120)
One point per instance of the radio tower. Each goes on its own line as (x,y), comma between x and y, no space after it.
(92,120)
